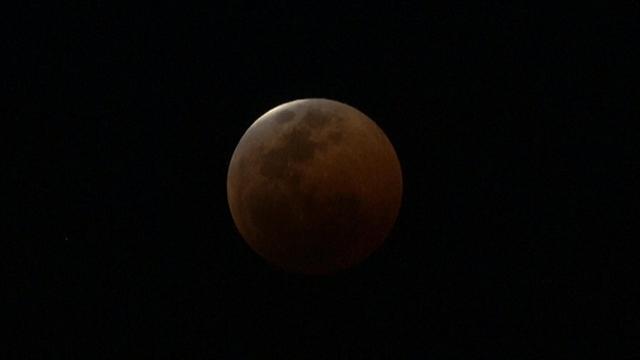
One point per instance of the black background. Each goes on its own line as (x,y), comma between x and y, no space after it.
(513,124)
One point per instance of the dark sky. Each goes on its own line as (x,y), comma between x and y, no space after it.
(512,123)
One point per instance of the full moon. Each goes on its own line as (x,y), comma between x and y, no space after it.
(314,186)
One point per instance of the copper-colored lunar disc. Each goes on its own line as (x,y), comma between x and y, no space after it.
(314,186)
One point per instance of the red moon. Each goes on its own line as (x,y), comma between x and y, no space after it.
(314,186)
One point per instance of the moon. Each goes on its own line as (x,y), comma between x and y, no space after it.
(314,186)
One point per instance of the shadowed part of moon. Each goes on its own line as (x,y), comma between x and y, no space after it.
(314,186)
(304,244)
(334,137)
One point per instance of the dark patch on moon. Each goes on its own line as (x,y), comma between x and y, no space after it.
(300,146)
(283,116)
(294,147)
(316,118)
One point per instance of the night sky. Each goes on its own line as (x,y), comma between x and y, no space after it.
(512,123)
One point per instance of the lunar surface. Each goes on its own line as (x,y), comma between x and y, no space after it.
(314,186)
